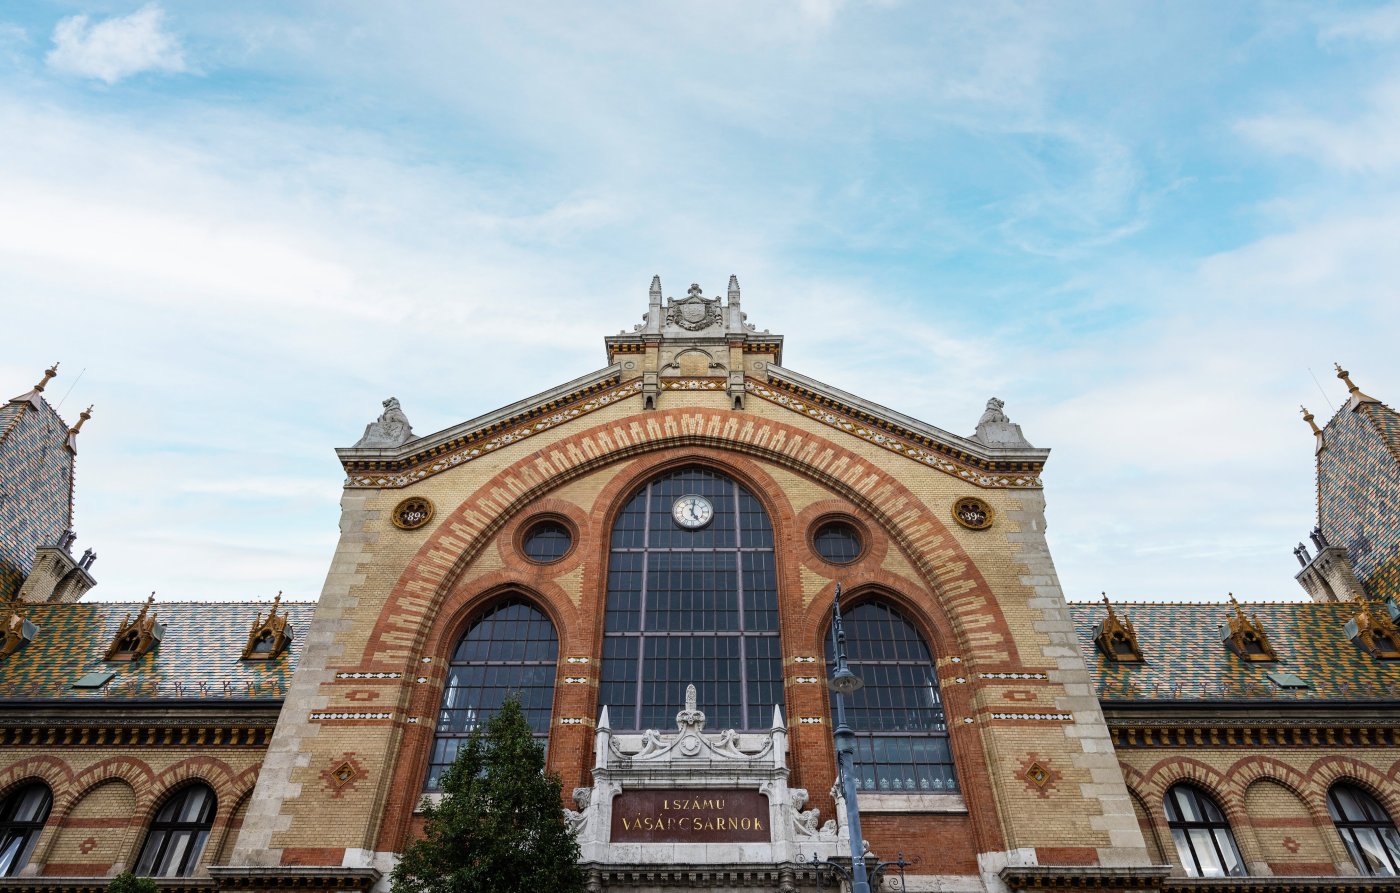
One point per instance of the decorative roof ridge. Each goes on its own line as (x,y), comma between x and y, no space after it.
(1370,410)
(164,605)
(914,426)
(422,447)
(1225,604)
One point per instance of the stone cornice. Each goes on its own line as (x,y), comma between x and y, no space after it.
(423,449)
(1084,877)
(961,457)
(212,723)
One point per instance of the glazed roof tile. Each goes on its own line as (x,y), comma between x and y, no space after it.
(1185,659)
(199,655)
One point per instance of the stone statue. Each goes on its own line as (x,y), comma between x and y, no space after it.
(391,429)
(804,822)
(996,430)
(576,819)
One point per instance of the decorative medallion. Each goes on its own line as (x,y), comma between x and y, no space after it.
(973,513)
(413,513)
(694,312)
(1038,776)
(343,773)
(692,512)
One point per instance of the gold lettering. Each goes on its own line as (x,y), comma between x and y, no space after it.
(758,824)
(685,821)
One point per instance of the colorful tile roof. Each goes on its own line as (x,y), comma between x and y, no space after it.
(198,657)
(1185,659)
(38,473)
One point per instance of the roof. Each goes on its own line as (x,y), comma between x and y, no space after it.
(1185,659)
(199,656)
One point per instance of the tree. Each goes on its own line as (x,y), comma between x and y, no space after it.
(126,882)
(500,826)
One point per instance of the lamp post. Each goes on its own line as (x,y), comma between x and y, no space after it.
(844,682)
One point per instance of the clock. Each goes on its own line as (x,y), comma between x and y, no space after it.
(692,512)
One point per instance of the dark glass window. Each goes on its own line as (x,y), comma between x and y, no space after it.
(901,735)
(837,542)
(1367,830)
(510,651)
(178,834)
(547,541)
(692,606)
(22,817)
(1203,838)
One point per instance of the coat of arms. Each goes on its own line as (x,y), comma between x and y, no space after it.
(694,312)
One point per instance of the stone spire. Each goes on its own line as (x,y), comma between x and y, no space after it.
(1356,396)
(73,431)
(1317,432)
(32,396)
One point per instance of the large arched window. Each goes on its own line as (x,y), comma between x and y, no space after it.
(1203,838)
(22,817)
(178,834)
(511,650)
(1367,830)
(692,598)
(901,733)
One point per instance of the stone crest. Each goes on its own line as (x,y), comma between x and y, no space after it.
(694,312)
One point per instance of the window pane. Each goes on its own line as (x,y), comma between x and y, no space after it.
(510,651)
(691,607)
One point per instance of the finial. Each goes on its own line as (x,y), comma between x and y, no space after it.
(151,600)
(655,289)
(49,374)
(733,289)
(690,697)
(1108,604)
(1357,395)
(82,417)
(1308,417)
(1239,612)
(275,602)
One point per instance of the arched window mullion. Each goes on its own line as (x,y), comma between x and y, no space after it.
(515,638)
(175,842)
(22,818)
(902,734)
(1183,801)
(685,611)
(1370,836)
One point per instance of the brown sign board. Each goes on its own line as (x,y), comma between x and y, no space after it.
(690,815)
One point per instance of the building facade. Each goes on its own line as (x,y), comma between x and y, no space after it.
(647,557)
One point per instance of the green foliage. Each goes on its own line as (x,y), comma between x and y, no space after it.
(500,826)
(126,882)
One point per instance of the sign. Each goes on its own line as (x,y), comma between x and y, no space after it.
(689,815)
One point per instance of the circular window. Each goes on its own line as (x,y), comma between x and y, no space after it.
(973,513)
(546,541)
(837,542)
(413,513)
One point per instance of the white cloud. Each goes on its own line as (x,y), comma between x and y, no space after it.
(117,47)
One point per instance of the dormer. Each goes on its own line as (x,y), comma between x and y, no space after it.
(1116,638)
(136,638)
(1245,636)
(18,631)
(269,637)
(1373,631)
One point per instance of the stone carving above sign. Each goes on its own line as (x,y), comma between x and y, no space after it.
(697,798)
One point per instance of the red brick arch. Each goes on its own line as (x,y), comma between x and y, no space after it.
(434,595)
(51,771)
(1327,771)
(724,436)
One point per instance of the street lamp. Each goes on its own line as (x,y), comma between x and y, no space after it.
(844,682)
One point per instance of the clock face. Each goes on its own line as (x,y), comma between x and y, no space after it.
(692,512)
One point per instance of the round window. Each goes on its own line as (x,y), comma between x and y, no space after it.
(837,542)
(547,541)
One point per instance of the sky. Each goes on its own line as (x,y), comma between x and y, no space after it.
(1150,228)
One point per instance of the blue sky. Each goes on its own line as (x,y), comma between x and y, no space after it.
(1151,229)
